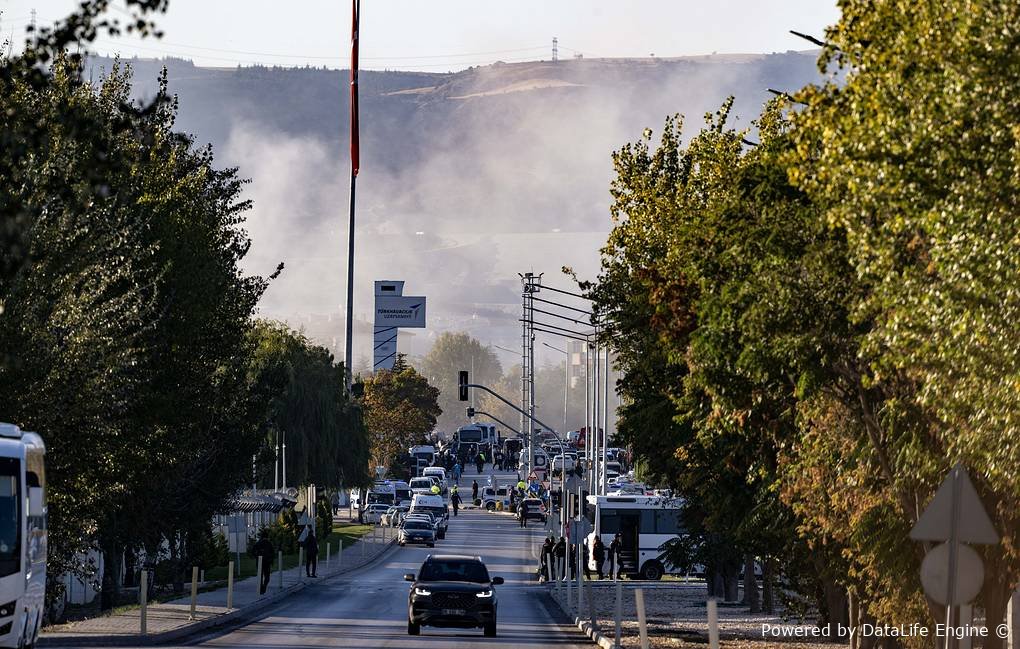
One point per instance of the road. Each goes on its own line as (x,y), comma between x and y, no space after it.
(369,608)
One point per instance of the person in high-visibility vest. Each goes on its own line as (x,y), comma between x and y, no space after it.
(436,490)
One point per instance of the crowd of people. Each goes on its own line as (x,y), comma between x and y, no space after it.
(554,552)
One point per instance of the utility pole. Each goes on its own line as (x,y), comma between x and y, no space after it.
(556,50)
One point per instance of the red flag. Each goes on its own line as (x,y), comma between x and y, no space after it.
(355,144)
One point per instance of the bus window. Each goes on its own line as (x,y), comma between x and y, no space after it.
(610,521)
(648,521)
(667,521)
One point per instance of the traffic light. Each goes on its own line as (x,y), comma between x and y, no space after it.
(470,412)
(462,383)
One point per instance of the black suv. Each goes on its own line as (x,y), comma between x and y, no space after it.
(452,591)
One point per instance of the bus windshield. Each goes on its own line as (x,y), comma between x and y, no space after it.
(10,516)
(470,435)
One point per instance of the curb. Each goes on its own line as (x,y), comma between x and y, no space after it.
(190,630)
(593,634)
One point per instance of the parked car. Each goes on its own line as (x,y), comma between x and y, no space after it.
(536,509)
(374,512)
(394,515)
(416,530)
(490,497)
(452,591)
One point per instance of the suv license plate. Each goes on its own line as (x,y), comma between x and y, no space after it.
(453,611)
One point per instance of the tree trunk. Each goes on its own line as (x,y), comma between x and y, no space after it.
(854,615)
(835,607)
(996,598)
(751,598)
(768,594)
(719,585)
(710,573)
(110,592)
(731,582)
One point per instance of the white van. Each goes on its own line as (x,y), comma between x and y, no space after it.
(437,472)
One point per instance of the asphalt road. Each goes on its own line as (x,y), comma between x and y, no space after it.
(369,608)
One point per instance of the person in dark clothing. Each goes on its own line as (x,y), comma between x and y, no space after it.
(264,548)
(455,500)
(598,552)
(311,553)
(560,552)
(480,462)
(474,490)
(522,511)
(614,555)
(584,560)
(546,558)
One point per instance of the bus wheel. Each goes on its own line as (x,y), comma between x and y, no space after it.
(652,571)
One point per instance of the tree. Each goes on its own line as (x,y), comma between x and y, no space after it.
(401,408)
(914,155)
(451,353)
(327,442)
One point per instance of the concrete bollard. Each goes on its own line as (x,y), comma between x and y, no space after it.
(194,591)
(713,624)
(201,577)
(618,614)
(258,573)
(639,601)
(230,585)
(143,594)
(570,593)
(340,555)
(279,569)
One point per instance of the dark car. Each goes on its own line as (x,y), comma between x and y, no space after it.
(452,591)
(536,509)
(417,532)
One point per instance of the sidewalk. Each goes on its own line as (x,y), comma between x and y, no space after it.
(171,621)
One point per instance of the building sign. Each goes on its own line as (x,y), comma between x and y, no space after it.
(399,311)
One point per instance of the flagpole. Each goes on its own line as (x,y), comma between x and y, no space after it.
(355,163)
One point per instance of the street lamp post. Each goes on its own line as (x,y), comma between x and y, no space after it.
(566,380)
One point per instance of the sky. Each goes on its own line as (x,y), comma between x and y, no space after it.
(450,34)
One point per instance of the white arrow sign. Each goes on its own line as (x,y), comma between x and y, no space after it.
(936,522)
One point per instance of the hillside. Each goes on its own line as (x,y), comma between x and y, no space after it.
(467,177)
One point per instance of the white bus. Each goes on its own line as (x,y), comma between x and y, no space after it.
(22,536)
(644,523)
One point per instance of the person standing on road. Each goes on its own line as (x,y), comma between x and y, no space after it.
(455,500)
(480,462)
(522,511)
(598,552)
(546,558)
(264,548)
(614,555)
(474,490)
(456,473)
(311,553)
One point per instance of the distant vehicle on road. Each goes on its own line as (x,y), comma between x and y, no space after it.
(421,485)
(452,591)
(439,473)
(645,524)
(403,492)
(563,462)
(433,505)
(423,452)
(535,508)
(22,536)
(490,496)
(416,531)
(374,512)
(393,515)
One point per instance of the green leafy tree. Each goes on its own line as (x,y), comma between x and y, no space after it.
(401,408)
(915,156)
(327,443)
(451,353)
